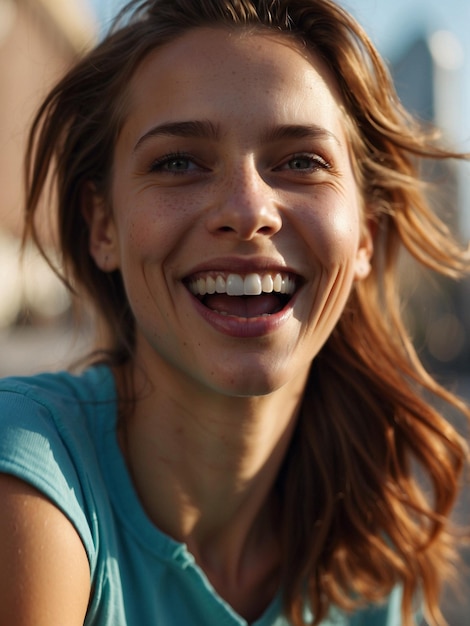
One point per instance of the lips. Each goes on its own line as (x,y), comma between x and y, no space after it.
(245,296)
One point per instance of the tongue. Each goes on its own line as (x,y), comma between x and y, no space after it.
(244,306)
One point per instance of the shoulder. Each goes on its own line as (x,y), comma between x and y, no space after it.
(93,385)
(45,575)
(52,415)
(60,401)
(48,440)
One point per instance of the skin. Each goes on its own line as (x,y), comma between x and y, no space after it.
(45,576)
(215,409)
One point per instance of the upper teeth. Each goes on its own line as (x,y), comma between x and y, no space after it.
(237,285)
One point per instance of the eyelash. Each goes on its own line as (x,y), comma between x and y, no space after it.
(159,164)
(316,162)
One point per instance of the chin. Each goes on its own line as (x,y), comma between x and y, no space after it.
(251,384)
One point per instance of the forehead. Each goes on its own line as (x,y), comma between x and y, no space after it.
(207,71)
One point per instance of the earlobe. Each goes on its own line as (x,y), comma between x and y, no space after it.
(102,232)
(363,267)
(364,256)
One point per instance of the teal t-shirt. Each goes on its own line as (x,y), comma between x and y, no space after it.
(58,433)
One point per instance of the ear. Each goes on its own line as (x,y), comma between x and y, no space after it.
(364,252)
(103,239)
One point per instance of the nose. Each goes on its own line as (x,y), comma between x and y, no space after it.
(245,206)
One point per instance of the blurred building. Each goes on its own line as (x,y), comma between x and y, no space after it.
(426,76)
(39,39)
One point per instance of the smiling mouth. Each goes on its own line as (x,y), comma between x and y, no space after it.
(244,295)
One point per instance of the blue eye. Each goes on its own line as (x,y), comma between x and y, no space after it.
(300,163)
(305,162)
(174,164)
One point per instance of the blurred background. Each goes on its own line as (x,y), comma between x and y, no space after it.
(427,46)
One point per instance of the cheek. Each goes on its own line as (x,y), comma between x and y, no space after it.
(345,229)
(156,216)
(334,234)
(145,232)
(137,236)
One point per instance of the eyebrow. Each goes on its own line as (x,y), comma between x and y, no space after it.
(196,129)
(298,131)
(206,129)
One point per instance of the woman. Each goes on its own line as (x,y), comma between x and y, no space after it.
(234,181)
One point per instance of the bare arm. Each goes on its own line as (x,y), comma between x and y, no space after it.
(44,570)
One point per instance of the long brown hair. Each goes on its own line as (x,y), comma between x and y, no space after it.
(355,520)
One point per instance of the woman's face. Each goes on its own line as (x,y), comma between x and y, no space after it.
(236,219)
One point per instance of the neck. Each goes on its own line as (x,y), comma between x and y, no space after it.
(213,460)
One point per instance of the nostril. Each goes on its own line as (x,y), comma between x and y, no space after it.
(247,233)
(265,230)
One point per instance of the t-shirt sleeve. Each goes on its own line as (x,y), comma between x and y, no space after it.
(387,614)
(34,448)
